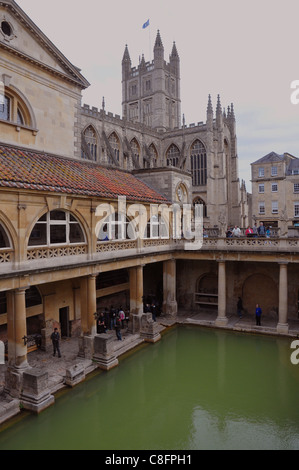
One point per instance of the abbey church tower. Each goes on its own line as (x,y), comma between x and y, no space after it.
(151,91)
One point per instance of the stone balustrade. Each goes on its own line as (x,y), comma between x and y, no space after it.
(47,257)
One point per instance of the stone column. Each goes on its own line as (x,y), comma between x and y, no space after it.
(139,290)
(136,298)
(169,287)
(91,304)
(282,326)
(136,290)
(88,320)
(17,330)
(221,320)
(17,349)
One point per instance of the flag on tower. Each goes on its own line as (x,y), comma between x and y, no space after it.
(146,24)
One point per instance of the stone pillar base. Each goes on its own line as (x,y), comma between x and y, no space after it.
(104,352)
(149,330)
(221,321)
(282,328)
(170,308)
(134,324)
(86,347)
(35,394)
(14,381)
(74,375)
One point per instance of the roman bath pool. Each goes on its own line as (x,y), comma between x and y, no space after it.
(197,388)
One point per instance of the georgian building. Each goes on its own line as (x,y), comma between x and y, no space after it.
(275,192)
(63,167)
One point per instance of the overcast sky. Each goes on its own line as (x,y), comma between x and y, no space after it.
(245,51)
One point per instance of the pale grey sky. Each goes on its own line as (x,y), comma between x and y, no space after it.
(244,51)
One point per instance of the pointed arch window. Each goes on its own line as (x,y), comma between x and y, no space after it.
(56,228)
(198,164)
(91,141)
(154,155)
(172,156)
(115,145)
(136,150)
(198,200)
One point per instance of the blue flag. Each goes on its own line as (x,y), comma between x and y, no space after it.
(145,25)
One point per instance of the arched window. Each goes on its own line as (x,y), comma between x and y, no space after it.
(154,154)
(91,141)
(33,297)
(135,149)
(157,228)
(198,200)
(4,239)
(198,164)
(56,228)
(14,109)
(114,227)
(172,156)
(115,145)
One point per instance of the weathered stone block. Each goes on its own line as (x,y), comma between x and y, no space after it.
(149,330)
(104,352)
(74,375)
(35,394)
(86,347)
(134,325)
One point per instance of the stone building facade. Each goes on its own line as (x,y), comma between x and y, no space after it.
(151,135)
(60,161)
(275,192)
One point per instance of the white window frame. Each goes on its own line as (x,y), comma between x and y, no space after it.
(67,222)
(296,188)
(261,188)
(296,209)
(261,172)
(274,207)
(274,185)
(262,206)
(274,171)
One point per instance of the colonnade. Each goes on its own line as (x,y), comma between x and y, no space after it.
(16,306)
(282,326)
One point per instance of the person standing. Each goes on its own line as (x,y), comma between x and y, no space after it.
(118,328)
(261,230)
(258,314)
(240,307)
(236,231)
(55,337)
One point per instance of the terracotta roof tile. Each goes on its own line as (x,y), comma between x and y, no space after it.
(39,171)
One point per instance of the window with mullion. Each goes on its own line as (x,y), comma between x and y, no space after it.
(56,228)
(5,111)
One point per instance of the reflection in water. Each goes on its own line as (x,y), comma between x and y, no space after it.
(195,389)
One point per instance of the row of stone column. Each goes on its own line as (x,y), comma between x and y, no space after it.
(282,326)
(16,321)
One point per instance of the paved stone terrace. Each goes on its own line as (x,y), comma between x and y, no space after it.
(57,367)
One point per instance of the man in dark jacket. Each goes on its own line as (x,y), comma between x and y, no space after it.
(55,337)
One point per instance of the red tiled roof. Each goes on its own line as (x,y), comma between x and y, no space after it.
(27,169)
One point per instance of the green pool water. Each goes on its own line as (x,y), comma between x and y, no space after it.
(196,389)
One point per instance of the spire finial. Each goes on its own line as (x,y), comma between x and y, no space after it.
(210,107)
(219,107)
